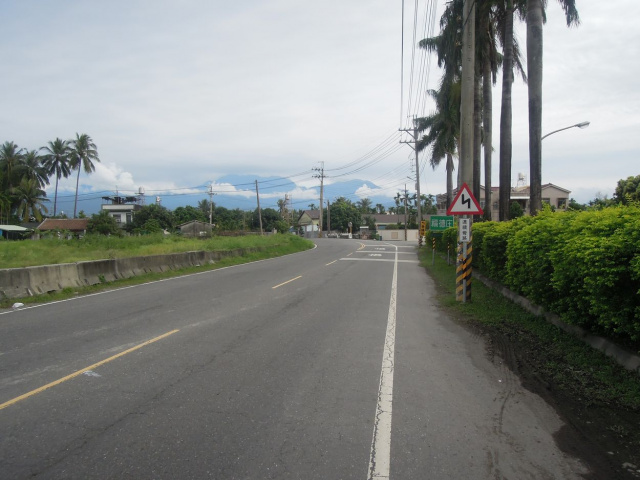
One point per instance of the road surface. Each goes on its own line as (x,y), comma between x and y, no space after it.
(333,363)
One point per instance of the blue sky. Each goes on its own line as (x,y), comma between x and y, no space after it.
(177,95)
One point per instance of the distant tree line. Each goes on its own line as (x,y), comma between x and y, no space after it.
(25,173)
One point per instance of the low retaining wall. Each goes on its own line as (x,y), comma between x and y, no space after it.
(624,357)
(28,281)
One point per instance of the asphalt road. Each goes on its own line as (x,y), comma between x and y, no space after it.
(328,364)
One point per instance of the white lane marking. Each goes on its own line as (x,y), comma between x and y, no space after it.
(415,262)
(380,458)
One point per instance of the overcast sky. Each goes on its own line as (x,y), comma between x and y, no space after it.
(177,95)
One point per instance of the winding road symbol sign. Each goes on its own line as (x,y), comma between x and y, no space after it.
(465,203)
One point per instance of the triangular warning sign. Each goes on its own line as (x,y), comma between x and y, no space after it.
(464,203)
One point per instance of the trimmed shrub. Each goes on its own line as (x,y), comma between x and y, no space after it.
(529,264)
(597,271)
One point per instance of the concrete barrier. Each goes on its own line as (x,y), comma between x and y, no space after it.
(14,283)
(50,278)
(22,282)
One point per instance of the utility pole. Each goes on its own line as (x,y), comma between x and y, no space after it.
(321,177)
(414,134)
(211,194)
(465,249)
(405,212)
(259,211)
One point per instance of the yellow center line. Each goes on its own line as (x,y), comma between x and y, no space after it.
(350,254)
(80,372)
(288,281)
(362,245)
(331,263)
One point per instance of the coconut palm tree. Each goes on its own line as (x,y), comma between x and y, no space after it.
(535,20)
(5,206)
(364,205)
(29,198)
(31,167)
(83,153)
(443,127)
(10,157)
(56,161)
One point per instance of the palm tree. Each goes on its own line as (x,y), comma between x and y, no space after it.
(506,115)
(83,153)
(535,20)
(56,161)
(30,199)
(380,208)
(5,206)
(31,167)
(10,157)
(364,205)
(444,130)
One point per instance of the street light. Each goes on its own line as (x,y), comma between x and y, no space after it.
(579,125)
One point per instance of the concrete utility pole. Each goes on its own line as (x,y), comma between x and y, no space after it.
(467,106)
(465,249)
(259,211)
(321,177)
(211,194)
(414,135)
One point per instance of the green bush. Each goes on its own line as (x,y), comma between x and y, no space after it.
(597,272)
(584,265)
(529,263)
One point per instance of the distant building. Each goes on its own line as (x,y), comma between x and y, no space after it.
(196,228)
(76,226)
(309,221)
(553,195)
(122,208)
(382,220)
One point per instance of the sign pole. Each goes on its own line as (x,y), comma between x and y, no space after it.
(466,206)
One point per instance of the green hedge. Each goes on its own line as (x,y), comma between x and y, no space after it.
(585,266)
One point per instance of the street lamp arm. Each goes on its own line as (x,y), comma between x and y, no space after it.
(579,125)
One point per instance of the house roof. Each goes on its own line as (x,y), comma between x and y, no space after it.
(73,225)
(13,228)
(312,214)
(192,222)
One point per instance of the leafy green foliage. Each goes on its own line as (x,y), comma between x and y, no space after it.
(103,224)
(187,214)
(344,211)
(141,220)
(584,265)
(515,210)
(628,191)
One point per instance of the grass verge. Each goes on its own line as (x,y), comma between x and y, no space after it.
(272,246)
(600,398)
(52,251)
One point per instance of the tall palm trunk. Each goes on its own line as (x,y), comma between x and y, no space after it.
(477,129)
(75,203)
(55,197)
(534,72)
(506,116)
(487,125)
(449,180)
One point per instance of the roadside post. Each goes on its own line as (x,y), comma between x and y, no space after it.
(437,225)
(465,205)
(433,252)
(423,232)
